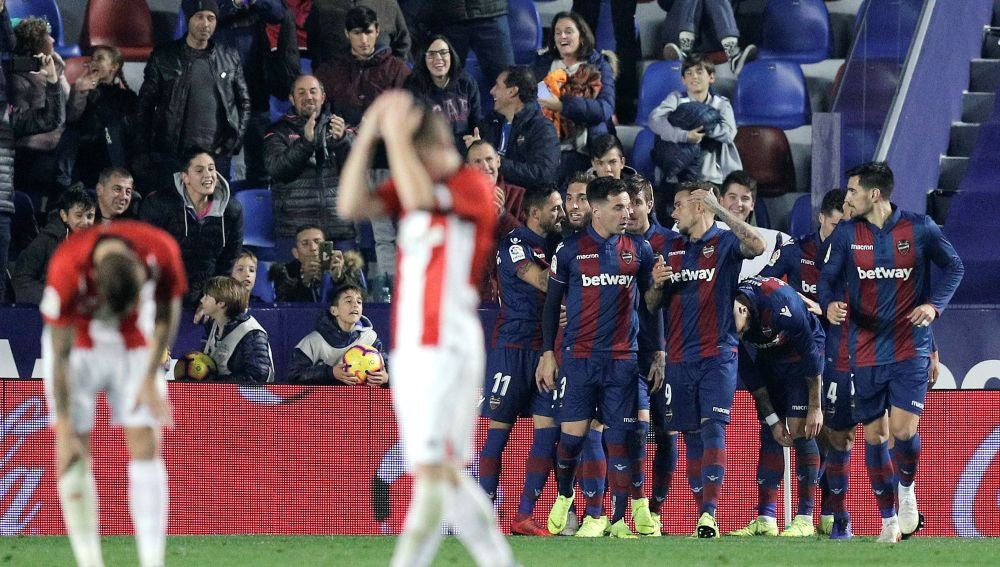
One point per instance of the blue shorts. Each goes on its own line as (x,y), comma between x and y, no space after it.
(786,386)
(510,390)
(694,391)
(838,392)
(901,385)
(600,388)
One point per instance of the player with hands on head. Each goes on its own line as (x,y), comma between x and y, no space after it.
(446,231)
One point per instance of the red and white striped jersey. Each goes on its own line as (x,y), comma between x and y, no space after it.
(441,260)
(71,299)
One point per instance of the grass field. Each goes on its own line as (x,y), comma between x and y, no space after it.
(362,551)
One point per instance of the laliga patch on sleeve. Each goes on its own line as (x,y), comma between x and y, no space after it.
(51,305)
(516,254)
(774,257)
(552,266)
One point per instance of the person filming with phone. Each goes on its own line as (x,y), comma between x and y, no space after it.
(320,268)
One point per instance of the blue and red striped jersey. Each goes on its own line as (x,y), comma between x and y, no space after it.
(781,327)
(797,262)
(699,295)
(519,324)
(887,274)
(651,324)
(602,280)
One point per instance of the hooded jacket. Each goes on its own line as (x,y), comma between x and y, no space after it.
(352,84)
(209,245)
(163,98)
(532,155)
(317,352)
(29,272)
(305,177)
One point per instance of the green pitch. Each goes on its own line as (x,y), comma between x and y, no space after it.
(248,551)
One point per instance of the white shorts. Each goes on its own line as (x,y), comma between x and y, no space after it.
(434,393)
(117,372)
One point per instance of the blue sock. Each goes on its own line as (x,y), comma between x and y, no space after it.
(695,455)
(806,471)
(770,469)
(537,467)
(489,460)
(593,473)
(619,470)
(567,454)
(713,463)
(637,454)
(905,455)
(881,476)
(664,465)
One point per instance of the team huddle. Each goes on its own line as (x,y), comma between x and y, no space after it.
(637,326)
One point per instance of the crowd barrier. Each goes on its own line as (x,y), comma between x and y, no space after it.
(300,460)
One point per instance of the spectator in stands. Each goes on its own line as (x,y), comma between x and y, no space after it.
(480,25)
(36,157)
(328,16)
(581,83)
(200,214)
(626,47)
(354,77)
(302,279)
(347,267)
(508,197)
(739,196)
(235,340)
(302,152)
(245,272)
(685,19)
(696,130)
(100,116)
(319,356)
(115,192)
(193,95)
(525,139)
(607,158)
(241,27)
(439,81)
(7,136)
(76,212)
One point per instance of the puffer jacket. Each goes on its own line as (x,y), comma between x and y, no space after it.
(352,84)
(303,369)
(29,272)
(532,156)
(24,122)
(208,246)
(305,178)
(451,11)
(164,93)
(594,113)
(251,359)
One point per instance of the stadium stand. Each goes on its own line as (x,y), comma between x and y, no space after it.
(658,80)
(125,24)
(767,157)
(258,217)
(796,30)
(49,10)
(800,223)
(772,93)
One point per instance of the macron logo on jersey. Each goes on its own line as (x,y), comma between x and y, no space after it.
(606,279)
(868,247)
(882,273)
(689,275)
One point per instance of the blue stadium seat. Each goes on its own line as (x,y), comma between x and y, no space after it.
(476,73)
(258,217)
(772,93)
(641,159)
(796,30)
(800,222)
(760,214)
(658,80)
(263,287)
(49,10)
(525,30)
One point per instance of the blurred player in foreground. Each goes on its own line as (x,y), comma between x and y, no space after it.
(111,307)
(446,226)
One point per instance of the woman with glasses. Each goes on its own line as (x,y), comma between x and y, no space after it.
(438,80)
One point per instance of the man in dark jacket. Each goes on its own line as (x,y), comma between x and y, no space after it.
(193,95)
(480,25)
(301,152)
(115,190)
(76,212)
(318,358)
(519,131)
(201,215)
(354,79)
(302,279)
(327,16)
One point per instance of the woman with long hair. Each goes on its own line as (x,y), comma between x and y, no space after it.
(439,81)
